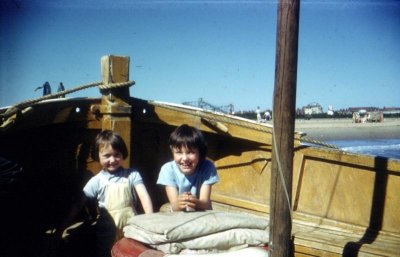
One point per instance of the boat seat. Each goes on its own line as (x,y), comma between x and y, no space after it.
(327,241)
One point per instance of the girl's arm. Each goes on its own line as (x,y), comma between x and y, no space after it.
(173,198)
(204,201)
(144,198)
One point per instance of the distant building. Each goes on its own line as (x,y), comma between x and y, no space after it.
(391,110)
(313,108)
(367,109)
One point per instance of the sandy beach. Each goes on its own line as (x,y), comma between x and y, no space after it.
(341,129)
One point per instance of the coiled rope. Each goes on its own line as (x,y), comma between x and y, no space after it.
(22,105)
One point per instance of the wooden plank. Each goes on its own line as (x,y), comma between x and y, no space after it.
(236,129)
(302,251)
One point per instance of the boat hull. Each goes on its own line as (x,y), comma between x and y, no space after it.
(343,203)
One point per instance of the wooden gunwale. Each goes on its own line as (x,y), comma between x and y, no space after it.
(349,159)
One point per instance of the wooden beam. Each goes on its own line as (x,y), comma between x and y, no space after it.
(115,108)
(280,242)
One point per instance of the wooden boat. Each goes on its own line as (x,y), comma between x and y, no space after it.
(344,204)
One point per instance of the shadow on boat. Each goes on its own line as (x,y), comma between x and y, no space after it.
(377,209)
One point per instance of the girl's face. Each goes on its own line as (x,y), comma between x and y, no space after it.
(110,159)
(186,159)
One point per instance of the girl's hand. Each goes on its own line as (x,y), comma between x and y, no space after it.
(187,202)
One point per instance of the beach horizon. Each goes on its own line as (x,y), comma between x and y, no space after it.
(346,129)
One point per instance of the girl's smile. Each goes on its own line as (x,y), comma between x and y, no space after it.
(186,159)
(110,159)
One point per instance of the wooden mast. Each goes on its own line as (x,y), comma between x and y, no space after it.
(115,109)
(284,104)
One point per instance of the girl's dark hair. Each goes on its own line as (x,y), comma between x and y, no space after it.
(189,137)
(108,137)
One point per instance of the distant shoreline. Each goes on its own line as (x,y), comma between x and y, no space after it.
(345,129)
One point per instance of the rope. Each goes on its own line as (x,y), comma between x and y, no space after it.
(116,85)
(22,105)
(282,179)
(316,142)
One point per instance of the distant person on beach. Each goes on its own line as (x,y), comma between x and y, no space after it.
(46,88)
(116,190)
(60,89)
(188,179)
(258,113)
(267,115)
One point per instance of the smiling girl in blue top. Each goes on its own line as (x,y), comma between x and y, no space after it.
(188,179)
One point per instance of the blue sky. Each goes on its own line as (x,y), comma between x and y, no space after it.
(221,51)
